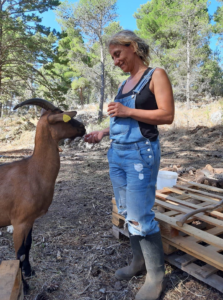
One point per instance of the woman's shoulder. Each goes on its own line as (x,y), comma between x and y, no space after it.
(159,72)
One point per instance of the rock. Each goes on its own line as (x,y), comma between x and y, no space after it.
(216,117)
(118,286)
(67,142)
(191,169)
(174,168)
(103,290)
(10,229)
(181,170)
(209,168)
(77,139)
(199,177)
(59,255)
(218,170)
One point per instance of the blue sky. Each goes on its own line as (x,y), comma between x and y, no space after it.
(126,10)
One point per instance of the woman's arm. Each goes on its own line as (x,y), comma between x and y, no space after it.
(96,136)
(161,87)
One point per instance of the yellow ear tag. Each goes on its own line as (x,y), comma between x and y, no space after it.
(66,118)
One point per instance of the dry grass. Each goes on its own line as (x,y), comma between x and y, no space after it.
(199,114)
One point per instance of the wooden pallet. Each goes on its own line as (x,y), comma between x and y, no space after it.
(187,263)
(205,273)
(202,236)
(11,287)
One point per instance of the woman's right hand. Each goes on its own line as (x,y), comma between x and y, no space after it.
(94,137)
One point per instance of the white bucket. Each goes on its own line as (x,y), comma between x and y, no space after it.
(166,179)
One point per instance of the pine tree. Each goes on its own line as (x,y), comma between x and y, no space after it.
(179,34)
(24,44)
(92,16)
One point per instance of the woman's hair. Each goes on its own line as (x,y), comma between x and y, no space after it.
(127,38)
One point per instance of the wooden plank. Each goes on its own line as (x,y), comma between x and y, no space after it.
(116,232)
(214,231)
(190,230)
(185,259)
(182,197)
(171,213)
(206,270)
(206,187)
(167,190)
(167,248)
(115,208)
(213,280)
(167,229)
(8,275)
(113,201)
(182,187)
(194,196)
(216,214)
(118,220)
(200,216)
(17,292)
(203,253)
(174,199)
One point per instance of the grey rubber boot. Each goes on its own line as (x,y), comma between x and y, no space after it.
(137,265)
(152,249)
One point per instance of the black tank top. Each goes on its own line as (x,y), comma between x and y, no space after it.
(145,100)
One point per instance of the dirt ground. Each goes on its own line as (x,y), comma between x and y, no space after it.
(74,252)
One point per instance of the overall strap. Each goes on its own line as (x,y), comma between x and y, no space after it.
(145,80)
(121,86)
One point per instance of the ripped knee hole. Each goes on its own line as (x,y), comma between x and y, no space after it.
(134,222)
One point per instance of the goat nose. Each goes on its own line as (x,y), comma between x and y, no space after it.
(82,129)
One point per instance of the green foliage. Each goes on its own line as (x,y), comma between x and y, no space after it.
(25,45)
(178,33)
(218,18)
(88,55)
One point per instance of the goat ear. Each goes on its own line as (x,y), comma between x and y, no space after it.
(62,117)
(71,113)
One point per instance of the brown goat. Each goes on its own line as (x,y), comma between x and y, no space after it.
(27,186)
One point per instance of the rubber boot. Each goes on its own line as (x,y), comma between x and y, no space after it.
(152,249)
(137,265)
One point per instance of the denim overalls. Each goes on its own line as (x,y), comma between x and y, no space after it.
(134,164)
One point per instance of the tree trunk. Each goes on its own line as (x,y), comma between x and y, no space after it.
(188,66)
(81,96)
(102,94)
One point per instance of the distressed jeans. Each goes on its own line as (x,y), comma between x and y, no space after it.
(133,171)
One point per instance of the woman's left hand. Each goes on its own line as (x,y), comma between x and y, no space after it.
(116,109)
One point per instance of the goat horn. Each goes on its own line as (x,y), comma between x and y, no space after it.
(39,102)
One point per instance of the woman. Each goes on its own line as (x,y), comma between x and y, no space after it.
(143,101)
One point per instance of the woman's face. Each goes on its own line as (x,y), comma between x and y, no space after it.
(123,56)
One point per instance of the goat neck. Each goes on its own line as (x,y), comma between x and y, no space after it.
(46,154)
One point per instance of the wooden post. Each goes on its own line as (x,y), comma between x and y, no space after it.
(11,287)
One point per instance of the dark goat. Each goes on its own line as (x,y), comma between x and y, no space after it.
(27,186)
